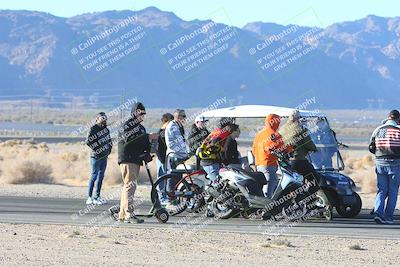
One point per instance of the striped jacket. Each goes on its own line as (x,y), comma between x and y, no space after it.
(385,141)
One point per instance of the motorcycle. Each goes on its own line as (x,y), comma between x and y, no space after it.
(294,198)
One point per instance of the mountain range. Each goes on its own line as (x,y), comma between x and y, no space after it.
(107,57)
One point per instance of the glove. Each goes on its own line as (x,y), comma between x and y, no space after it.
(147,158)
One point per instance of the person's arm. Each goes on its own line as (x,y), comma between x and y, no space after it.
(91,140)
(308,143)
(372,144)
(226,155)
(191,142)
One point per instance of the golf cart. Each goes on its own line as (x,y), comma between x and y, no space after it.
(328,162)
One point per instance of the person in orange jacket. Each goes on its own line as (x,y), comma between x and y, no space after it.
(266,141)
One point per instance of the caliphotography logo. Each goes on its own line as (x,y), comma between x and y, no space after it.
(199,133)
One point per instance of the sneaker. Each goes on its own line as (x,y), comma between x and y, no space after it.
(172,205)
(389,221)
(164,202)
(209,212)
(134,219)
(89,201)
(97,201)
(103,201)
(379,220)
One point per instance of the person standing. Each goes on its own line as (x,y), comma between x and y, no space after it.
(198,132)
(133,146)
(100,143)
(176,148)
(267,141)
(161,154)
(385,144)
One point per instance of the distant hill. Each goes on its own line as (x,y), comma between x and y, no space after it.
(346,65)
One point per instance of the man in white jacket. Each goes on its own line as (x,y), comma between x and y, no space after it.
(176,146)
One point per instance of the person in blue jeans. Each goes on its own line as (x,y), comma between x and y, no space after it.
(385,144)
(161,155)
(100,143)
(177,151)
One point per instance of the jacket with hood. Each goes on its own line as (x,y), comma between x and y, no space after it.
(175,140)
(99,141)
(385,141)
(267,140)
(133,141)
(195,138)
(212,147)
(297,136)
(230,154)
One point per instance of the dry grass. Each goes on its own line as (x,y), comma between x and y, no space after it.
(27,162)
(361,168)
(68,163)
(278,243)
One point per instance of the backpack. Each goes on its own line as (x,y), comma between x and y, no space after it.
(213,145)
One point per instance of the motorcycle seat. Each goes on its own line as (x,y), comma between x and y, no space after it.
(258,176)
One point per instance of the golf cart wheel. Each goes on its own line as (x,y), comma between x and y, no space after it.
(352,210)
(114,211)
(162,215)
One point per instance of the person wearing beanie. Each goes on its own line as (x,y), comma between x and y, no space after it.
(385,144)
(133,146)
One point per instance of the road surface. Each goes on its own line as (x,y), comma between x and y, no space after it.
(75,212)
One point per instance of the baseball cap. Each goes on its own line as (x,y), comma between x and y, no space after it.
(394,114)
(200,118)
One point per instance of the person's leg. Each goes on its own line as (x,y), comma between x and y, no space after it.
(213,175)
(212,172)
(171,182)
(382,183)
(93,176)
(161,187)
(100,175)
(393,191)
(130,172)
(273,180)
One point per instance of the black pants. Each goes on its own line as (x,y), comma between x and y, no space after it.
(305,168)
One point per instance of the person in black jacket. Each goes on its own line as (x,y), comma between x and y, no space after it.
(133,147)
(230,154)
(198,132)
(161,153)
(100,143)
(385,144)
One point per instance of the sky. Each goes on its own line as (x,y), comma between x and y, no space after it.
(319,13)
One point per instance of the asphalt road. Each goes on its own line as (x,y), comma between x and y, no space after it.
(75,212)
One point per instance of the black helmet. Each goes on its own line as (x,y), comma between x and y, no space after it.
(225,122)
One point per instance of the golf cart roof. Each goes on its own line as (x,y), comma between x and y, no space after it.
(257,111)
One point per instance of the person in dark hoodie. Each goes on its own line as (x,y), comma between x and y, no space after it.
(161,153)
(100,143)
(197,134)
(133,147)
(230,154)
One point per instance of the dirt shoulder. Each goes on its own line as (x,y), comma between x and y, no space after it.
(55,245)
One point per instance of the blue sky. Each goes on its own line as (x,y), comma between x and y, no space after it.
(233,12)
